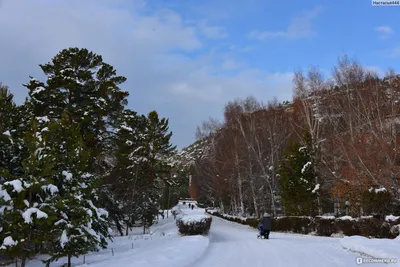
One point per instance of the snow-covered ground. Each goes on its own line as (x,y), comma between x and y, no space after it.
(163,248)
(378,248)
(235,245)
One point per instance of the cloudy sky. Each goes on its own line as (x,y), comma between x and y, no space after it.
(188,58)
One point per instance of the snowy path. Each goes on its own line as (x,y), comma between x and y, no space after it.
(229,244)
(236,245)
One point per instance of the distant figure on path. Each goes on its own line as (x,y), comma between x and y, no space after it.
(192,206)
(265,226)
(189,205)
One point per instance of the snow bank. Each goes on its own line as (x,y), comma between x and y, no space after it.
(173,251)
(231,217)
(376,248)
(348,218)
(327,217)
(392,218)
(164,247)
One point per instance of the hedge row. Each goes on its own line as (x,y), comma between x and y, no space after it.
(199,226)
(322,226)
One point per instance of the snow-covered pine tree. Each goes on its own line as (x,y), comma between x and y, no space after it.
(14,123)
(7,109)
(297,179)
(158,150)
(7,106)
(24,200)
(79,225)
(80,82)
(142,168)
(176,186)
(126,180)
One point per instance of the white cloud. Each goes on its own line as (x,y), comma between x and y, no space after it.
(212,32)
(242,49)
(300,27)
(384,31)
(219,90)
(231,64)
(143,45)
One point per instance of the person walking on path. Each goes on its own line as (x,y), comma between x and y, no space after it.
(265,226)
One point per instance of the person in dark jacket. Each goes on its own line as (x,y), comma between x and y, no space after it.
(265,225)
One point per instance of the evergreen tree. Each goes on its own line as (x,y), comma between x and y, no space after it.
(79,226)
(142,169)
(79,82)
(24,200)
(297,179)
(7,109)
(13,125)
(158,150)
(125,181)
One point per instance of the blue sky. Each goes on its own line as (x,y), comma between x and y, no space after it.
(187,59)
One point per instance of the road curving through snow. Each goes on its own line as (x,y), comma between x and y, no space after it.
(236,245)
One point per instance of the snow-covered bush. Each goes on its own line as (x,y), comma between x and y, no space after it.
(373,227)
(395,230)
(198,224)
(253,222)
(347,226)
(377,201)
(301,225)
(325,226)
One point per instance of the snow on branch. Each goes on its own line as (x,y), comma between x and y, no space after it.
(27,215)
(17,184)
(305,167)
(8,242)
(316,188)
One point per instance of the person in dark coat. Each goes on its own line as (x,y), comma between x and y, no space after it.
(265,225)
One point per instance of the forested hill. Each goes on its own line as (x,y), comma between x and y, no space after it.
(336,141)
